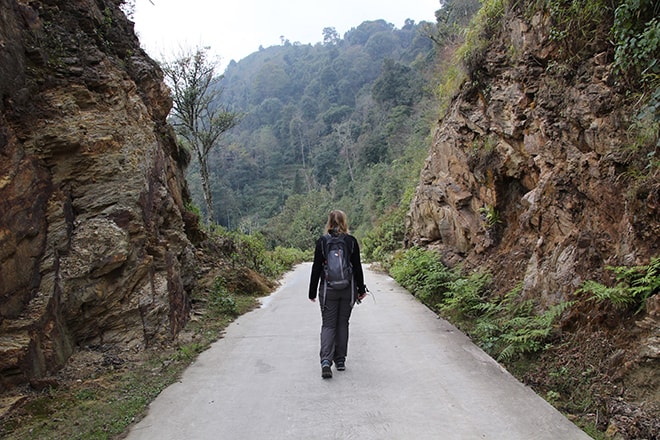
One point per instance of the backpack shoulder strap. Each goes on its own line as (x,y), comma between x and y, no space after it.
(324,245)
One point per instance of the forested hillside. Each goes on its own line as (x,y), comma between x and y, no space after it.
(344,123)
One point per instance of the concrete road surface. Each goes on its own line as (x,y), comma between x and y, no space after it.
(409,375)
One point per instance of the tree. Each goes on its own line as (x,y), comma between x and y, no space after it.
(197,116)
(330,36)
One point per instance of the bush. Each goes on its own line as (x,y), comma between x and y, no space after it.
(578,25)
(386,237)
(281,260)
(221,300)
(484,26)
(250,250)
(636,34)
(504,328)
(465,297)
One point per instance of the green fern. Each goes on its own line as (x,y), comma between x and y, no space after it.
(465,297)
(634,285)
(522,330)
(505,326)
(422,273)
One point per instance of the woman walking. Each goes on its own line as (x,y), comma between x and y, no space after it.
(337,266)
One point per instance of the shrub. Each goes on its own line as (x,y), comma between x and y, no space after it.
(505,327)
(636,34)
(465,297)
(386,237)
(485,24)
(281,259)
(577,25)
(221,300)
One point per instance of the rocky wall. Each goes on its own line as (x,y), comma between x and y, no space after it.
(526,175)
(93,244)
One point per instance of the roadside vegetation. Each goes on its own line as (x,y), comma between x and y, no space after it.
(507,327)
(528,340)
(104,389)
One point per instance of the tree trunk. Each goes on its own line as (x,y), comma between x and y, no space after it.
(206,187)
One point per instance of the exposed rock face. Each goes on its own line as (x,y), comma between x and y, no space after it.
(525,174)
(532,177)
(93,246)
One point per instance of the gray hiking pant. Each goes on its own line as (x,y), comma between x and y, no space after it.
(335,313)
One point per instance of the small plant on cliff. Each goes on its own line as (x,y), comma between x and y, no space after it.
(485,24)
(636,34)
(577,25)
(632,288)
(490,216)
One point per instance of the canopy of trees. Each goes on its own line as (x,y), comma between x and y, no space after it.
(336,124)
(343,124)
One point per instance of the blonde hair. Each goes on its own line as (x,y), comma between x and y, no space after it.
(337,222)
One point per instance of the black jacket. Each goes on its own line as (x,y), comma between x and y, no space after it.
(319,260)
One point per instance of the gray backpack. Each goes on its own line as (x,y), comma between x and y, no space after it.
(337,267)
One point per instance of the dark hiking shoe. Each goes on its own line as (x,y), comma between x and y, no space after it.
(341,366)
(326,370)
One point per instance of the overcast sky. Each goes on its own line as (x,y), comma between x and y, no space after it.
(236,28)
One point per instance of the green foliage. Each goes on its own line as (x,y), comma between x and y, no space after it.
(387,235)
(645,129)
(451,19)
(301,220)
(189,352)
(197,117)
(490,216)
(283,259)
(422,273)
(256,252)
(577,25)
(636,33)
(483,27)
(312,138)
(252,251)
(526,333)
(465,297)
(505,327)
(634,285)
(397,85)
(453,77)
(221,301)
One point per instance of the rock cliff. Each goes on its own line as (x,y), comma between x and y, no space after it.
(93,244)
(526,174)
(534,175)
(526,171)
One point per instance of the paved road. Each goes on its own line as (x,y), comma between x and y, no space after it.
(409,375)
